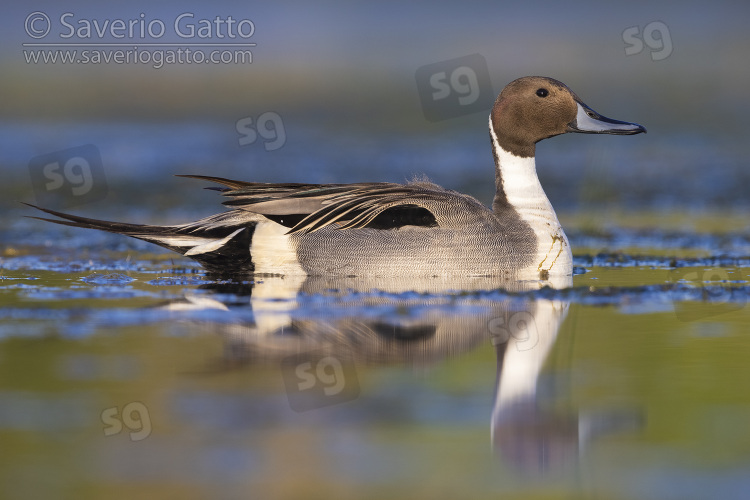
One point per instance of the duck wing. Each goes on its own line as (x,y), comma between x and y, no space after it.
(305,208)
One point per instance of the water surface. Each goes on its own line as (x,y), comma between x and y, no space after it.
(129,371)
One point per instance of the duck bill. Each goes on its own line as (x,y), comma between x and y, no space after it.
(588,121)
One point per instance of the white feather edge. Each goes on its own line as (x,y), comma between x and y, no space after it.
(212,245)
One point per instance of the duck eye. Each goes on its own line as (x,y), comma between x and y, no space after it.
(542,92)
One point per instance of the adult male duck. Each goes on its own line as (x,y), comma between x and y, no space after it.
(387,229)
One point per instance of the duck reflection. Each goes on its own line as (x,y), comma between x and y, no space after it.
(420,322)
(525,427)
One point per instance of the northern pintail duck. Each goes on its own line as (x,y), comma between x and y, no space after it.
(380,228)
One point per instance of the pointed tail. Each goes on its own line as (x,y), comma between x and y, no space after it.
(221,242)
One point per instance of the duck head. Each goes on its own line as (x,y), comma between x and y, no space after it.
(534,108)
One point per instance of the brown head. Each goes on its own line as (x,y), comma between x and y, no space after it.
(533,108)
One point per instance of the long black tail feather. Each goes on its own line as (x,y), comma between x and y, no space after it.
(202,241)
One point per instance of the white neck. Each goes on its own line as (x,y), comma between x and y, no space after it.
(525,195)
(528,348)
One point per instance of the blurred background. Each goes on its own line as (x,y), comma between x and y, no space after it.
(331,95)
(640,397)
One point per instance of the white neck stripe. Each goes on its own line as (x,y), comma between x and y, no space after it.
(524,194)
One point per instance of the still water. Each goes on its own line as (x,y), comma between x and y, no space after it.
(125,371)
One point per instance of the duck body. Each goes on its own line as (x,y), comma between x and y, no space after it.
(440,246)
(388,229)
